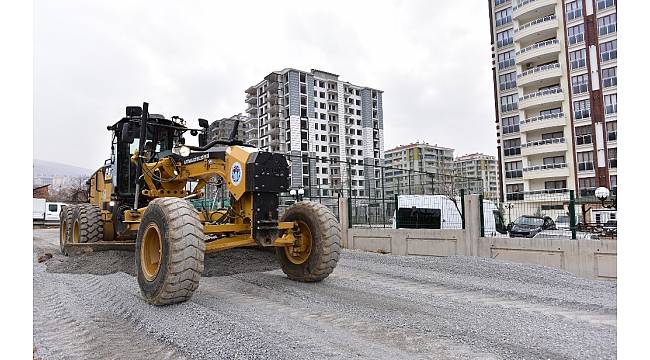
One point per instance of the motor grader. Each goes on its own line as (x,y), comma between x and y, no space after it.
(140,196)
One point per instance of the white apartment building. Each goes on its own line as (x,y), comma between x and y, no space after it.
(222,128)
(480,166)
(418,168)
(554,72)
(313,114)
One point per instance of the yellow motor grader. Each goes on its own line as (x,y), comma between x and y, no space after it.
(141,195)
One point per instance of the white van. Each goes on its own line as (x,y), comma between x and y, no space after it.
(442,212)
(46,211)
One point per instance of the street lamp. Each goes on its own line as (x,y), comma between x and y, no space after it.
(298,194)
(602,193)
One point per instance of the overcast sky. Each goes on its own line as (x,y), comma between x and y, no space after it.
(195,59)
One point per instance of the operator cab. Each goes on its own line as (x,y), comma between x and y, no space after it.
(162,136)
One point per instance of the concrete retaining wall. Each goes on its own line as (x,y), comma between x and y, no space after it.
(585,258)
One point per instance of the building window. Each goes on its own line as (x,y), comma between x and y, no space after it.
(607,24)
(611,157)
(610,104)
(506,59)
(499,2)
(574,9)
(514,192)
(507,81)
(581,109)
(576,34)
(608,51)
(604,4)
(514,169)
(579,83)
(555,185)
(550,112)
(609,77)
(510,124)
(612,184)
(553,135)
(611,130)
(504,38)
(583,135)
(509,103)
(504,16)
(587,186)
(511,147)
(554,160)
(585,160)
(578,59)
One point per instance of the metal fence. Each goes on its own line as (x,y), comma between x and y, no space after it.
(374,190)
(553,213)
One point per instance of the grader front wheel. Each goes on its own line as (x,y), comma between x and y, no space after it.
(318,236)
(169,251)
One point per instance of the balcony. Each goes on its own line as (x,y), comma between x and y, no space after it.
(540,76)
(273,99)
(546,171)
(274,110)
(251,91)
(544,146)
(542,121)
(251,100)
(539,98)
(527,10)
(537,30)
(252,109)
(541,52)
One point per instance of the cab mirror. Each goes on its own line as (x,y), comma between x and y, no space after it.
(204,123)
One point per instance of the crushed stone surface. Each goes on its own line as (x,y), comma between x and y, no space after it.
(373,306)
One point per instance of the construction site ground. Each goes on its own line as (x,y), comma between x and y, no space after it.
(373,306)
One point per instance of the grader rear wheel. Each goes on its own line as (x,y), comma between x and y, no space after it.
(86,224)
(317,248)
(65,228)
(169,251)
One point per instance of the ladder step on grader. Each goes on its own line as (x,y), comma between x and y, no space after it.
(140,197)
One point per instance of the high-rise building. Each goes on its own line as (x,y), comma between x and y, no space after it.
(418,168)
(554,72)
(479,166)
(222,128)
(314,115)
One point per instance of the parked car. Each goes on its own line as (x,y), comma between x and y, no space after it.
(609,228)
(562,221)
(564,234)
(528,226)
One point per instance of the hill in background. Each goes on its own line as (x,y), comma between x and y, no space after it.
(50,168)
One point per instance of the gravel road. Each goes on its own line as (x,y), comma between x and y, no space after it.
(372,306)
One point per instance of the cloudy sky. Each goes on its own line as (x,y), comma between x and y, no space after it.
(195,59)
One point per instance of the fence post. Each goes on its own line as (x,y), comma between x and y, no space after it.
(462,206)
(572,213)
(349,213)
(396,212)
(480,209)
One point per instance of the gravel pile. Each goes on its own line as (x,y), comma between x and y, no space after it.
(372,306)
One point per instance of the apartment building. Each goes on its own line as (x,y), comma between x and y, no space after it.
(418,168)
(480,166)
(554,72)
(222,128)
(322,123)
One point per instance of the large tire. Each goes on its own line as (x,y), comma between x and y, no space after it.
(170,228)
(65,227)
(324,231)
(87,224)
